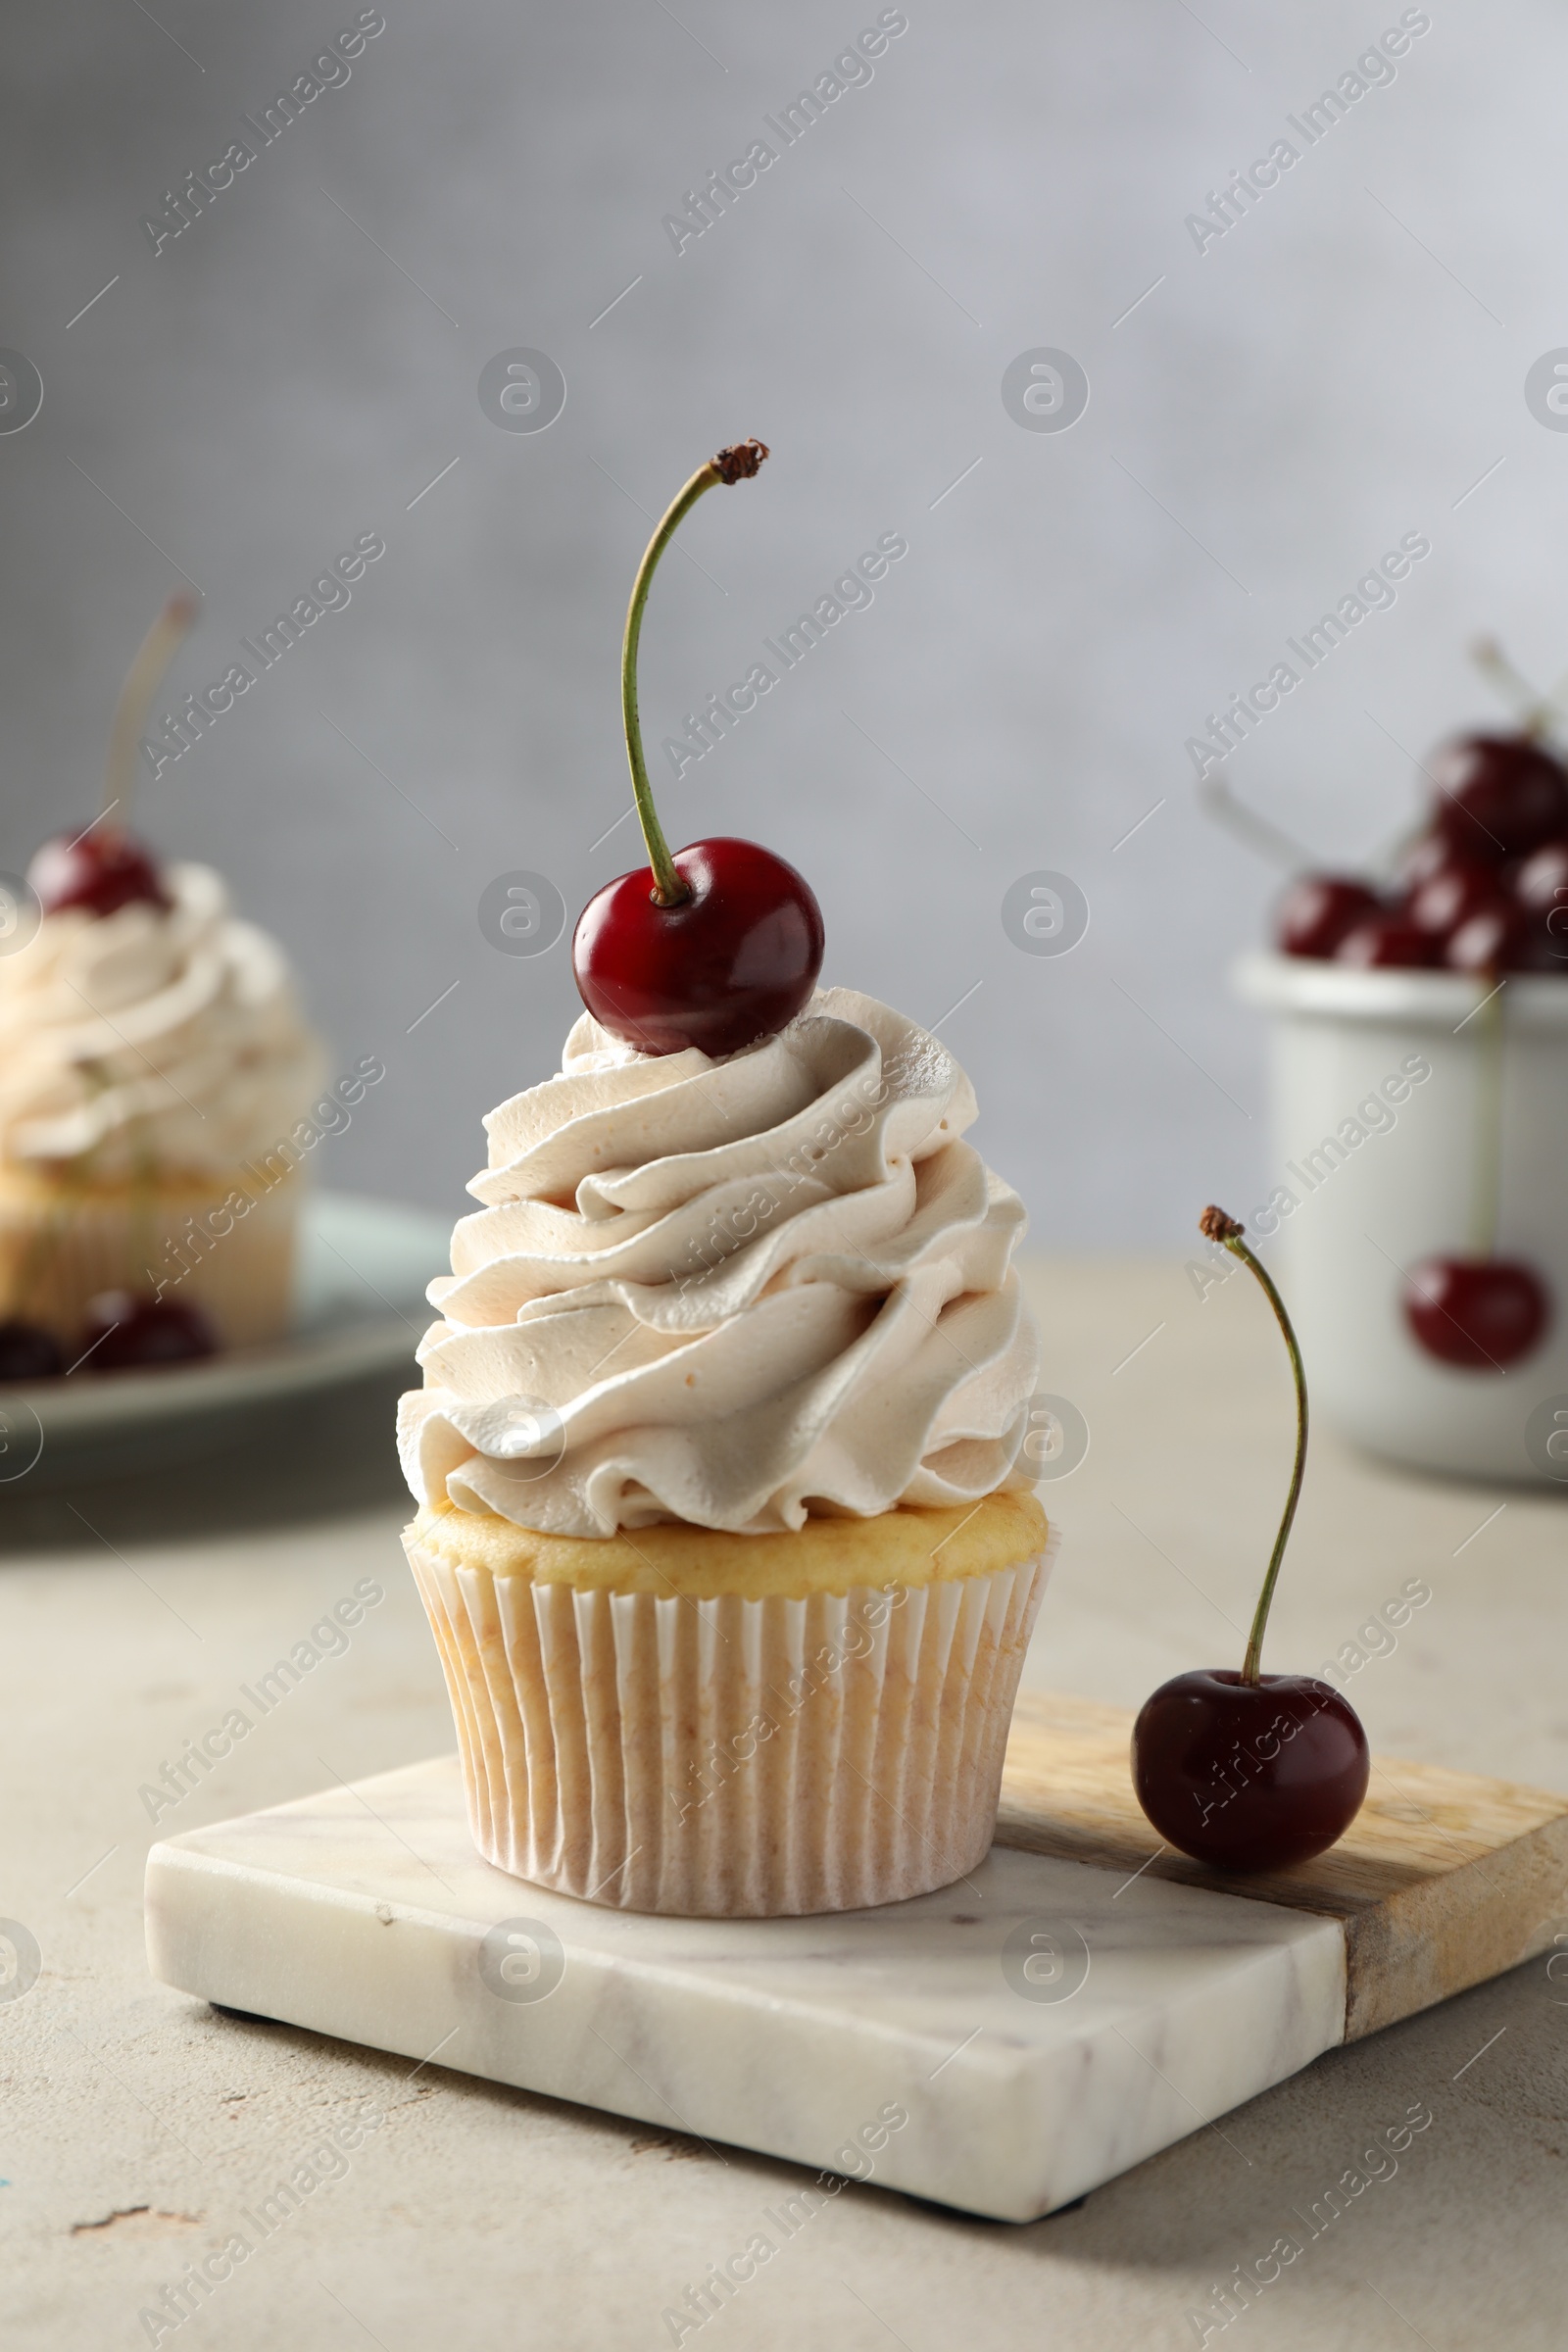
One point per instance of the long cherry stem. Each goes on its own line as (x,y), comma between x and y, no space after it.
(734,464)
(1485,1196)
(157,650)
(1216,1226)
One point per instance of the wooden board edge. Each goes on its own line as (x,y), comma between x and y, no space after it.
(1442,1937)
(1417,1930)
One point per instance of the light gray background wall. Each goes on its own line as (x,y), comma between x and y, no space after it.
(1337,370)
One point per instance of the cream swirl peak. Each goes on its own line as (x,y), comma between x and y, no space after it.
(162,1036)
(729,1292)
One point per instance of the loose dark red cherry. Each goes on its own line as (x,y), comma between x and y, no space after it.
(1318,910)
(100,871)
(1479,1313)
(1251,1771)
(732,963)
(28,1353)
(1498,796)
(127,1332)
(1250,1776)
(1385,940)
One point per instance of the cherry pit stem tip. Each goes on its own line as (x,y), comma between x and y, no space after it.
(736,464)
(1216,1226)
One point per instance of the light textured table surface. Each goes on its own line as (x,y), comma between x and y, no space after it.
(139,2124)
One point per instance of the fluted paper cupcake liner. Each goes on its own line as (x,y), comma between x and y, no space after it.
(740,1758)
(60,1250)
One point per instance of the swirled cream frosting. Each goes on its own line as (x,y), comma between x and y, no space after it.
(733,1293)
(155,1038)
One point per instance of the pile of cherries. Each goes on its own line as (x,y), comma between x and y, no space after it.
(1484,890)
(98,872)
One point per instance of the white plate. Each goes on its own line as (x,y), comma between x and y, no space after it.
(360,1309)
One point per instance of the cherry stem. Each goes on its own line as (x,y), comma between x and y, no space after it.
(1216,1226)
(1487,1189)
(1217,799)
(1538,714)
(736,463)
(157,649)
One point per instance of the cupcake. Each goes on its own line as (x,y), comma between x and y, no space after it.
(723,1533)
(154,1071)
(722,1539)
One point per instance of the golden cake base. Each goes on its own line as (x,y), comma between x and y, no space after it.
(62,1244)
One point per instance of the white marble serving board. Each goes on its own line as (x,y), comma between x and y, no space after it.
(1148,2008)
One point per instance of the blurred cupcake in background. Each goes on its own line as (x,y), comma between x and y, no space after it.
(153,1068)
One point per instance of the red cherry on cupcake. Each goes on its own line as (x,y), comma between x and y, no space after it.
(733,960)
(28,1351)
(720,944)
(127,1332)
(99,871)
(1498,796)
(102,868)
(1318,910)
(1480,1314)
(1251,1771)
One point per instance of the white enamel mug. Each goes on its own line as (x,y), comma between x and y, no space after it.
(1377,1096)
